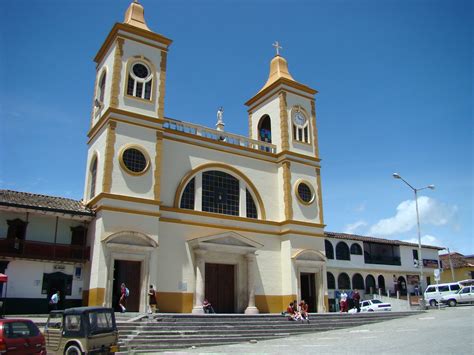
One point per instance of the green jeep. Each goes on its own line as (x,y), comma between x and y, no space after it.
(82,330)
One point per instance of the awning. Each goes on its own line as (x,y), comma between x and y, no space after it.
(3,278)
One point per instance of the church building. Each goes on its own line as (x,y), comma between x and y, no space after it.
(199,213)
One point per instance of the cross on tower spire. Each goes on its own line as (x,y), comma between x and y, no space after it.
(277,47)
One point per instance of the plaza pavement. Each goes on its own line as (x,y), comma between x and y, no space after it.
(445,331)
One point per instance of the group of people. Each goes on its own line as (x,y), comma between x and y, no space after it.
(297,312)
(125,293)
(349,300)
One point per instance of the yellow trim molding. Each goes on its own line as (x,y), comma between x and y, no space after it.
(161,99)
(109,157)
(175,302)
(287,190)
(104,195)
(96,296)
(158,165)
(315,128)
(141,150)
(320,196)
(127,210)
(209,166)
(280,90)
(285,145)
(307,183)
(116,73)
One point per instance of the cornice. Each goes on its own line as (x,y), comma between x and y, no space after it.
(133,30)
(105,195)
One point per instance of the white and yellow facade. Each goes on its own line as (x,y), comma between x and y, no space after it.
(139,215)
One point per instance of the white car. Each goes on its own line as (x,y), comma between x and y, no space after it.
(464,295)
(372,306)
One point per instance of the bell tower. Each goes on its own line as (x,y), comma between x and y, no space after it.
(284,112)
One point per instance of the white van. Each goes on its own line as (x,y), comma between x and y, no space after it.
(433,293)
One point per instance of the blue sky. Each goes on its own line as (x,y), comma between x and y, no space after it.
(394,81)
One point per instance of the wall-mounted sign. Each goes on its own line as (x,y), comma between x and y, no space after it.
(413,279)
(59,267)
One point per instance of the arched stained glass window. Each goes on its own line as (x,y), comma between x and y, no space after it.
(251,207)
(220,193)
(187,199)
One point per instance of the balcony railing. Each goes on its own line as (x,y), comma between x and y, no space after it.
(45,251)
(382,260)
(220,136)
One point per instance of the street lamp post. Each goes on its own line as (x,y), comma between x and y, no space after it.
(420,259)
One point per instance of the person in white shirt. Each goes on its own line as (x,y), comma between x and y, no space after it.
(343,301)
(54,301)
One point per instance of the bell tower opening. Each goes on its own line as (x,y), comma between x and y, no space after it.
(265,129)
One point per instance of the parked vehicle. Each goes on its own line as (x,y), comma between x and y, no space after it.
(21,336)
(82,330)
(372,306)
(433,293)
(464,295)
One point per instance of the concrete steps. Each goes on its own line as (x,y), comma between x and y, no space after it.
(181,331)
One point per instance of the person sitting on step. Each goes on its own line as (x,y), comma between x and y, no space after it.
(303,308)
(207,307)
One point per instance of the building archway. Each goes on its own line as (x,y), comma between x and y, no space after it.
(402,286)
(369,284)
(381,283)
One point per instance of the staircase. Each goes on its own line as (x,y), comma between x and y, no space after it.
(164,332)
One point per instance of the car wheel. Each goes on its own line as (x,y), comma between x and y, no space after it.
(73,350)
(452,303)
(433,303)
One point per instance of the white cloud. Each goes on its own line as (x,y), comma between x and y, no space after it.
(351,228)
(426,239)
(431,211)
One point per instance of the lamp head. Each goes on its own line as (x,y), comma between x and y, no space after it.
(432,187)
(396,176)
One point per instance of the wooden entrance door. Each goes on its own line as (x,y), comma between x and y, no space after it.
(308,290)
(127,272)
(220,287)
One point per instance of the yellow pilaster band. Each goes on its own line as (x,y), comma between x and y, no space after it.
(285,145)
(175,302)
(96,296)
(109,157)
(315,129)
(161,99)
(158,159)
(320,196)
(117,68)
(287,190)
(273,303)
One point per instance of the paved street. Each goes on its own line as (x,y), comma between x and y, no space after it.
(445,331)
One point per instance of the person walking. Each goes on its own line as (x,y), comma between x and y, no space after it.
(54,300)
(151,300)
(124,293)
(356,298)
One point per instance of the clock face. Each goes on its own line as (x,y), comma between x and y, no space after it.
(299,118)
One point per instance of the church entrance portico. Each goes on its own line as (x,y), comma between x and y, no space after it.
(225,272)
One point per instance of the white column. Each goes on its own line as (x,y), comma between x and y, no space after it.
(200,279)
(251,309)
(242,200)
(198,192)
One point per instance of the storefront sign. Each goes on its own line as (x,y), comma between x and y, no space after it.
(413,279)
(430,263)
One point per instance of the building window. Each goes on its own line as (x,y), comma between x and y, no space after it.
(300,125)
(134,161)
(220,193)
(78,235)
(358,282)
(187,199)
(304,192)
(343,281)
(331,281)
(342,251)
(265,129)
(140,81)
(93,177)
(251,207)
(16,234)
(356,249)
(101,88)
(329,249)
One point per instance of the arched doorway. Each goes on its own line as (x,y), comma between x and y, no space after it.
(381,282)
(369,284)
(402,285)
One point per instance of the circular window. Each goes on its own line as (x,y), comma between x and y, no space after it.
(140,70)
(305,193)
(134,161)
